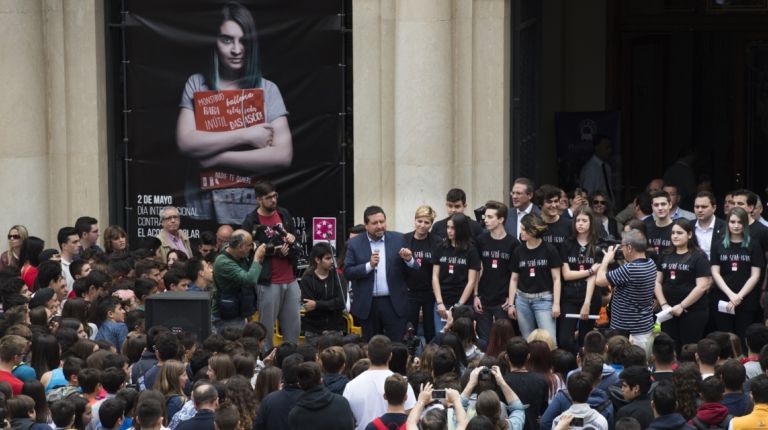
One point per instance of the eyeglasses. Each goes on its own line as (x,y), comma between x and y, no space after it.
(14,236)
(598,202)
(171,217)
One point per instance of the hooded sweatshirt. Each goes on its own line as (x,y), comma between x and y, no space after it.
(711,414)
(673,421)
(592,418)
(335,382)
(598,399)
(323,409)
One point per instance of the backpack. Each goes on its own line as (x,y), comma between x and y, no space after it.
(379,424)
(722,425)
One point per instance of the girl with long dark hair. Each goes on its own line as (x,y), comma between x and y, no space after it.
(259,147)
(581,259)
(682,280)
(454,269)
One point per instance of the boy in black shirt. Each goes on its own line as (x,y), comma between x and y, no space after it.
(495,247)
(660,225)
(531,387)
(456,203)
(558,227)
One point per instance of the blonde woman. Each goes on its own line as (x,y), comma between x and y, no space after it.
(16,236)
(422,243)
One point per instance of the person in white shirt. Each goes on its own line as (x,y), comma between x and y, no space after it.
(596,175)
(365,393)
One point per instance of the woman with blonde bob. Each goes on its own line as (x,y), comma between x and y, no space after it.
(420,295)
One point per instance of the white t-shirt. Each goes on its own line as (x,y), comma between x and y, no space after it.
(366,396)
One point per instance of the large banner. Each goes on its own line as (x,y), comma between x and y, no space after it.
(221,94)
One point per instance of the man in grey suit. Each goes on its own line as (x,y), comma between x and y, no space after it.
(375,263)
(522,194)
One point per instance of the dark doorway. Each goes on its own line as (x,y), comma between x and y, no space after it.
(691,74)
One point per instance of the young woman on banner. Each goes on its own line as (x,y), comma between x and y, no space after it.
(534,289)
(682,280)
(454,271)
(581,259)
(244,149)
(736,263)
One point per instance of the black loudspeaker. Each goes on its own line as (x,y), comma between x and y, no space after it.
(180,311)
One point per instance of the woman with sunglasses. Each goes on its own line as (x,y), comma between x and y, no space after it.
(601,207)
(581,259)
(736,262)
(16,237)
(534,288)
(682,279)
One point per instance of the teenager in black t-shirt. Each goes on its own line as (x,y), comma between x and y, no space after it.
(495,247)
(534,288)
(558,227)
(422,244)
(747,200)
(455,267)
(579,295)
(736,264)
(660,229)
(455,203)
(682,279)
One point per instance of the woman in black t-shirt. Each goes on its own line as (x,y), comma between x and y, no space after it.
(682,280)
(534,288)
(581,260)
(736,263)
(455,266)
(422,244)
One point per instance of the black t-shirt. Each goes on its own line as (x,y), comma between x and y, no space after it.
(736,263)
(496,255)
(659,238)
(419,280)
(759,234)
(533,390)
(440,228)
(533,267)
(680,272)
(454,270)
(578,258)
(558,232)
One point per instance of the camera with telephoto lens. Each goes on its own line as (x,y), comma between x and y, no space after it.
(603,245)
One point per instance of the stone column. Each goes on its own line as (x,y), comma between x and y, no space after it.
(23,127)
(424,112)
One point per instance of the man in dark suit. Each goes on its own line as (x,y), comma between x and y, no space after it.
(206,400)
(376,263)
(522,194)
(709,229)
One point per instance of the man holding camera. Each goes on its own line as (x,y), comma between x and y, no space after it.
(278,291)
(234,277)
(633,284)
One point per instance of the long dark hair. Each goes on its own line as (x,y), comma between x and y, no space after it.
(687,226)
(462,235)
(30,251)
(251,75)
(45,353)
(592,234)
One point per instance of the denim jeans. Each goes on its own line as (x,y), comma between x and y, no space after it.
(535,311)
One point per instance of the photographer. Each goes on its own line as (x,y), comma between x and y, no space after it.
(278,291)
(436,416)
(234,278)
(483,400)
(633,287)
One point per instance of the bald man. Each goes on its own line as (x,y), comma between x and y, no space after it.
(222,236)
(234,281)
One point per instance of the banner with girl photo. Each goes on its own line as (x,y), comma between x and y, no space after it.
(220,94)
